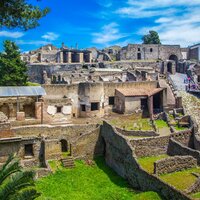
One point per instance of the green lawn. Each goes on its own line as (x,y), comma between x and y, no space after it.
(147,163)
(160,124)
(85,182)
(132,122)
(196,195)
(181,180)
(179,128)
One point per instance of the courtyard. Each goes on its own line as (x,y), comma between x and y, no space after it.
(89,182)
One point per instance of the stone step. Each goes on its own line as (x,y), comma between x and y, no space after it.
(68,162)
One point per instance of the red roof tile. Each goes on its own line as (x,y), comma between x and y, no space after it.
(139,92)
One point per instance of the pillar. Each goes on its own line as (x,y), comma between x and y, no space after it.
(69,57)
(150,106)
(81,57)
(61,57)
(38,110)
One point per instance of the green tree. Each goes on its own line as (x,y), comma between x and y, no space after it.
(151,38)
(20,14)
(12,68)
(16,184)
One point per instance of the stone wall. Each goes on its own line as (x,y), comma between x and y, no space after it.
(137,133)
(159,145)
(176,148)
(120,156)
(17,145)
(5,131)
(54,132)
(88,145)
(173,164)
(149,52)
(150,146)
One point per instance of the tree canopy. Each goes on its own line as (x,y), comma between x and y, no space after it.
(12,68)
(151,38)
(20,14)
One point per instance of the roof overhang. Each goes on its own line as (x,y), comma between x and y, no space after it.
(21,91)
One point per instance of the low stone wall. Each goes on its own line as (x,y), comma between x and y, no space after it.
(137,133)
(5,130)
(150,146)
(159,145)
(42,172)
(88,146)
(120,156)
(176,148)
(184,137)
(173,164)
(54,132)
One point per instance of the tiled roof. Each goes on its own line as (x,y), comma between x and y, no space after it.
(130,92)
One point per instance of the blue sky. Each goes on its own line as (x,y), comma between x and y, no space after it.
(102,23)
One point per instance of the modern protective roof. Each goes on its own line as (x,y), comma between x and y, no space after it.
(21,91)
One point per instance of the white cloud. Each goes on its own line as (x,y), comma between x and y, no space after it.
(105,3)
(109,33)
(177,22)
(32,42)
(50,36)
(9,34)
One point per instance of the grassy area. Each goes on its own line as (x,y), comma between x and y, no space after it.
(32,84)
(181,180)
(196,195)
(179,128)
(132,122)
(160,123)
(85,182)
(147,163)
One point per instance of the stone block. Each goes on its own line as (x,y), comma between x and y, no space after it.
(20,116)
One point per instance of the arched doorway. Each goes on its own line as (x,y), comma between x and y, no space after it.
(174,58)
(169,67)
(64,145)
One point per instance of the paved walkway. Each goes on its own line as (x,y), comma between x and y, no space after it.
(178,80)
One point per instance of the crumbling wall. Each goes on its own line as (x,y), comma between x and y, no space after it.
(120,156)
(88,145)
(176,148)
(173,164)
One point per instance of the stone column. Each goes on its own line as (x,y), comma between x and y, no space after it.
(61,57)
(69,57)
(81,57)
(150,106)
(38,110)
(90,57)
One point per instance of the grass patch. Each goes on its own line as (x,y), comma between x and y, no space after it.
(54,165)
(147,163)
(132,123)
(160,123)
(32,84)
(89,183)
(196,195)
(181,180)
(179,128)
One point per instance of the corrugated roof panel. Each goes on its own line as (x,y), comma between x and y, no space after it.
(22,91)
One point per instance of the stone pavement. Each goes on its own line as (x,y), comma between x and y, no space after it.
(178,80)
